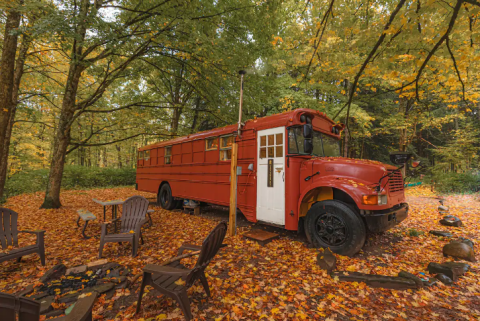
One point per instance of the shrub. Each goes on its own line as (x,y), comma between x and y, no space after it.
(415,233)
(74,177)
(457,182)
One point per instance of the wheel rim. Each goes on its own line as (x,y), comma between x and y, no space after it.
(164,196)
(331,229)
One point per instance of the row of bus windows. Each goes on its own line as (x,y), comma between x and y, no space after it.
(211,144)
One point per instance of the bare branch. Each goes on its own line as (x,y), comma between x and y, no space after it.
(456,67)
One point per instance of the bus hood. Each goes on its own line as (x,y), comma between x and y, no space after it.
(359,169)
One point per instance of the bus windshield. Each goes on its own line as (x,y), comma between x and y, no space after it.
(323,145)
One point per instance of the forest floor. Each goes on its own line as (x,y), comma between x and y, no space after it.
(279,281)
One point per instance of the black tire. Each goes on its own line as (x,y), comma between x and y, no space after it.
(165,198)
(334,224)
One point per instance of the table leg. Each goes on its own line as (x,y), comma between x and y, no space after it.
(104,212)
(83,231)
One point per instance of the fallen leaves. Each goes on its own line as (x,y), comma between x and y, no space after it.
(250,282)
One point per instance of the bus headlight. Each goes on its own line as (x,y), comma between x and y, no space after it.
(382,199)
(375,199)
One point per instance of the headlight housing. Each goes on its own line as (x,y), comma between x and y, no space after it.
(375,199)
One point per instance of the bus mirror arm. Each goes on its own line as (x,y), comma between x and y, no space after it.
(309,177)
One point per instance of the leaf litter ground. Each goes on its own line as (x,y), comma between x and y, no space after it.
(279,281)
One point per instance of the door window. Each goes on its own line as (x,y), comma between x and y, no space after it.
(271,146)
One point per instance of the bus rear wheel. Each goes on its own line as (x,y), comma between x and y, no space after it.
(334,224)
(165,198)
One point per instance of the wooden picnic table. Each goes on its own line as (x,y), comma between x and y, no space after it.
(114,204)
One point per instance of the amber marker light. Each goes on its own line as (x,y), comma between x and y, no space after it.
(370,199)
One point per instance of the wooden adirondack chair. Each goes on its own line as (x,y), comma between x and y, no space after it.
(133,217)
(9,237)
(29,310)
(164,278)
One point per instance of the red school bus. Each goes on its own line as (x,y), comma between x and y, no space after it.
(292,175)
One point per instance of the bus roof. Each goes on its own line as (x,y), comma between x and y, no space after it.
(288,118)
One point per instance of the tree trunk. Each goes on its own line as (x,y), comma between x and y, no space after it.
(7,79)
(119,155)
(195,115)
(62,135)
(177,111)
(345,143)
(105,157)
(62,139)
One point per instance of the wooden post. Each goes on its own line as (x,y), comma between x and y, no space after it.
(232,226)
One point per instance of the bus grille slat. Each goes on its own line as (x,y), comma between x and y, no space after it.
(395,184)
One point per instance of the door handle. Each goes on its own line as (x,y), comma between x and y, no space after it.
(283,176)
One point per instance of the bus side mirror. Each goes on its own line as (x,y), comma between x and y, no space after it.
(307,146)
(307,131)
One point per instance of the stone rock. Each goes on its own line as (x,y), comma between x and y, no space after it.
(377,281)
(464,267)
(46,304)
(39,296)
(69,297)
(459,251)
(69,309)
(452,272)
(443,209)
(77,269)
(444,279)
(110,266)
(451,220)
(114,273)
(123,285)
(110,294)
(327,260)
(119,280)
(464,241)
(54,313)
(416,279)
(441,233)
(54,273)
(431,282)
(96,264)
(29,289)
(102,288)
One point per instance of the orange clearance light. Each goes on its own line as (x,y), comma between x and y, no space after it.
(370,199)
(291,119)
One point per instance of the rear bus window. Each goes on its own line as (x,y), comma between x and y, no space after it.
(226,143)
(211,143)
(140,155)
(168,154)
(147,155)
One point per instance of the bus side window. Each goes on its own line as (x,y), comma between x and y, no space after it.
(211,143)
(226,143)
(147,157)
(168,154)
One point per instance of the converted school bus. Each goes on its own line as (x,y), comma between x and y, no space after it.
(292,174)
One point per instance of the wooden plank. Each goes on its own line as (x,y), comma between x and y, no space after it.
(261,236)
(233,189)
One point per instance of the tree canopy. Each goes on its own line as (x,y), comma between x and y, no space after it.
(88,82)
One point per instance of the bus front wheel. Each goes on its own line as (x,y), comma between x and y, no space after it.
(334,224)
(165,198)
